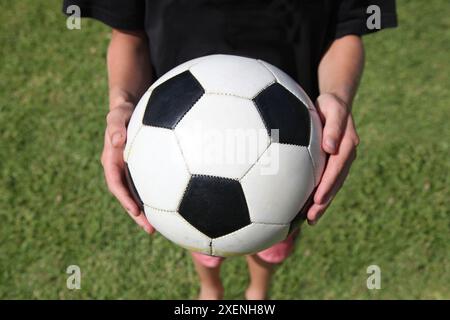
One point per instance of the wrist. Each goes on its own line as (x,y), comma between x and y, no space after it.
(340,97)
(121,104)
(120,98)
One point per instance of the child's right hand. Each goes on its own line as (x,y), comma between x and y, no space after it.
(114,164)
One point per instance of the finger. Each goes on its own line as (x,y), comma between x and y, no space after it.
(339,182)
(315,212)
(116,185)
(335,166)
(335,117)
(142,221)
(117,120)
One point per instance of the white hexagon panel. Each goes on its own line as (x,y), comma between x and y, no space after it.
(158,169)
(278,185)
(222,135)
(172,226)
(232,75)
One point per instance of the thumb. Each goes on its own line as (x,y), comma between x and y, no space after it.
(334,113)
(117,120)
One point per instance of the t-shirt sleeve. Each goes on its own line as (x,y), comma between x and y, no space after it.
(119,14)
(360,16)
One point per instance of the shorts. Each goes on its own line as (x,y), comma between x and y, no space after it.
(275,254)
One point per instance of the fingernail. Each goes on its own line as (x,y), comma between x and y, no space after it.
(116,138)
(330,144)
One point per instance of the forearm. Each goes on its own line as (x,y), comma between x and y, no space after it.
(341,68)
(129,70)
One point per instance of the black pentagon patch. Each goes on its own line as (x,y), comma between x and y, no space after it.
(132,188)
(301,215)
(171,100)
(280,109)
(215,206)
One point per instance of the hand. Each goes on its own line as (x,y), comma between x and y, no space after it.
(114,164)
(339,141)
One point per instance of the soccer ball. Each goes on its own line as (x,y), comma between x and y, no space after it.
(223,153)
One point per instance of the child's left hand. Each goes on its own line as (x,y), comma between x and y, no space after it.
(339,141)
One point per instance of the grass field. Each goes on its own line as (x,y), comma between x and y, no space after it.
(394,210)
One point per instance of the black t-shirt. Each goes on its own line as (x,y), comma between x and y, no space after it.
(291,34)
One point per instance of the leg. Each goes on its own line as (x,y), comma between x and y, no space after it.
(261,266)
(260,275)
(210,284)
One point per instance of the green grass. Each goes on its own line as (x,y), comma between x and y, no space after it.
(55,209)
